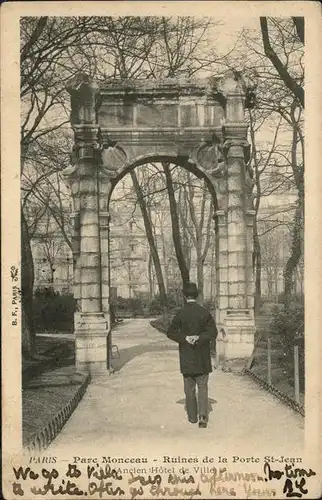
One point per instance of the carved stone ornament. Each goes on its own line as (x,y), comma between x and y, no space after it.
(232,83)
(113,159)
(84,94)
(241,143)
(208,157)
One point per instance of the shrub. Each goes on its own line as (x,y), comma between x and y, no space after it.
(288,324)
(53,311)
(297,298)
(155,304)
(133,305)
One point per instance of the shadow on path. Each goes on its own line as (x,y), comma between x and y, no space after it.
(127,354)
(210,403)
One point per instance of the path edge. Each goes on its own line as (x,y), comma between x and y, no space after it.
(42,438)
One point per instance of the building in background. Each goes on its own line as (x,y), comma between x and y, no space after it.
(132,269)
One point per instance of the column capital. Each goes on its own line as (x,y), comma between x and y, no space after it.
(88,142)
(75,217)
(235,131)
(221,217)
(250,217)
(236,147)
(105,219)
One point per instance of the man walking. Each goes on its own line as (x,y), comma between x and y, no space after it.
(194,329)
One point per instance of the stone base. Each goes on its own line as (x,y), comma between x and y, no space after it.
(91,343)
(235,341)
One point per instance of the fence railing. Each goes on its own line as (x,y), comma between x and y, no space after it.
(280,368)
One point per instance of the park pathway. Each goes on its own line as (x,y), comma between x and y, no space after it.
(141,407)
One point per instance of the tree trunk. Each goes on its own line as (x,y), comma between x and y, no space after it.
(200,276)
(258,270)
(152,245)
(150,276)
(175,225)
(296,252)
(27,283)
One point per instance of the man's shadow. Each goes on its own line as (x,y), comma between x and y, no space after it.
(210,403)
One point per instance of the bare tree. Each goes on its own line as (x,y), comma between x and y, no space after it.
(151,240)
(293,28)
(175,225)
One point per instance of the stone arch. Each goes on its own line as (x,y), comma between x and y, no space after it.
(180,161)
(199,125)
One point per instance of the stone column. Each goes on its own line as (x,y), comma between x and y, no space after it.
(90,322)
(250,215)
(221,235)
(239,323)
(75,220)
(221,267)
(106,277)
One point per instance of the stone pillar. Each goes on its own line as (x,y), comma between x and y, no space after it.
(239,322)
(106,278)
(221,267)
(90,322)
(75,220)
(250,215)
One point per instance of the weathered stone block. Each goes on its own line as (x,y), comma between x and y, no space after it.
(238,288)
(222,262)
(236,241)
(222,244)
(223,288)
(105,290)
(236,258)
(90,290)
(222,274)
(237,302)
(89,244)
(222,301)
(77,290)
(87,203)
(235,206)
(90,260)
(89,276)
(91,305)
(117,115)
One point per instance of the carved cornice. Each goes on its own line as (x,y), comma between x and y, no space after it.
(235,130)
(220,217)
(88,143)
(84,94)
(105,219)
(237,147)
(70,174)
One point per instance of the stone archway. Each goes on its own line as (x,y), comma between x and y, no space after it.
(199,125)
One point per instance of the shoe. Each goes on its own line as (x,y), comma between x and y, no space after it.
(192,421)
(202,422)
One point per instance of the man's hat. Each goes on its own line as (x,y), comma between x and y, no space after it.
(190,289)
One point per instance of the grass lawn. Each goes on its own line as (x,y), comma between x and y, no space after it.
(49,384)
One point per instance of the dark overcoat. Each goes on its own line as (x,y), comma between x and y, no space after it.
(193,319)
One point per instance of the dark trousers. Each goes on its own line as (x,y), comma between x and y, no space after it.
(193,408)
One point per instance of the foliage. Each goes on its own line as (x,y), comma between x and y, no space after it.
(53,311)
(132,304)
(288,324)
(297,299)
(155,306)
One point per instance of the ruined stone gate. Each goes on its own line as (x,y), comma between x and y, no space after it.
(198,125)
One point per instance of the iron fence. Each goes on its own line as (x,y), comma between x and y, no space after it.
(280,368)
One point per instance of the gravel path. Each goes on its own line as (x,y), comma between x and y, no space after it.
(141,407)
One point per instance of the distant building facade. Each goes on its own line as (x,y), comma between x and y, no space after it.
(132,269)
